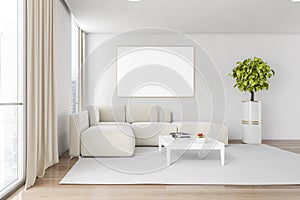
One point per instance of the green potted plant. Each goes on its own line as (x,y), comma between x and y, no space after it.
(252,75)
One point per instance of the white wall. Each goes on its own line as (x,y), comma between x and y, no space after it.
(63,74)
(218,56)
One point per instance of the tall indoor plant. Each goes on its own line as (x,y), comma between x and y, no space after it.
(252,75)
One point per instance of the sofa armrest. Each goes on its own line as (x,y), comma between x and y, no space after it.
(78,122)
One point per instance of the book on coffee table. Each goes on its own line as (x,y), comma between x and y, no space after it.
(181,135)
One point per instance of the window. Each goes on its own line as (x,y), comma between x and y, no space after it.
(11,95)
(75,84)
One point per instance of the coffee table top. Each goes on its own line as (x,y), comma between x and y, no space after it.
(190,143)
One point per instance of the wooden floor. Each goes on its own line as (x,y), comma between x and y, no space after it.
(48,187)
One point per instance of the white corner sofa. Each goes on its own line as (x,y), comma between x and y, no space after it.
(116,130)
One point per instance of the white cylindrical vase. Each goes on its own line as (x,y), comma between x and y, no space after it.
(252,122)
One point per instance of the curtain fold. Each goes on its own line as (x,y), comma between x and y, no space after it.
(42,148)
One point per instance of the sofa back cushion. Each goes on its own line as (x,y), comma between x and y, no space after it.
(94,115)
(142,113)
(164,115)
(112,113)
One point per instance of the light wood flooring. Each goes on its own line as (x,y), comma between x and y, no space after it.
(48,187)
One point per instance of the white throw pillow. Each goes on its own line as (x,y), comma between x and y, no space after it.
(94,115)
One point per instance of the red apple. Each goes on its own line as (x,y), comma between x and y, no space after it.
(200,135)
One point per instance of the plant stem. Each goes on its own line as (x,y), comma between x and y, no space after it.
(252,96)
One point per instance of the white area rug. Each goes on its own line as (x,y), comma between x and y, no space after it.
(245,165)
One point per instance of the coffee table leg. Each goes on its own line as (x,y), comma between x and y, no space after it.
(159,145)
(168,156)
(222,152)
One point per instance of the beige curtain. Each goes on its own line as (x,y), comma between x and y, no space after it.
(42,150)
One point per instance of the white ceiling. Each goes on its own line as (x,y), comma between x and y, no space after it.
(188,16)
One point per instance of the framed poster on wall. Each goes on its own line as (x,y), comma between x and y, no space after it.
(155,71)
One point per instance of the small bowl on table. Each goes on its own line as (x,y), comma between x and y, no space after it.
(200,138)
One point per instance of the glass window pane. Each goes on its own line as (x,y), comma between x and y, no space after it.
(75,69)
(8,144)
(8,50)
(11,95)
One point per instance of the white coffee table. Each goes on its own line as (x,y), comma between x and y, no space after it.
(185,144)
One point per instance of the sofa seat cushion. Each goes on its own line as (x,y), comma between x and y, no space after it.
(108,140)
(146,133)
(216,131)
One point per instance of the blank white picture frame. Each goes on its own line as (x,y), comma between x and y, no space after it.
(155,71)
